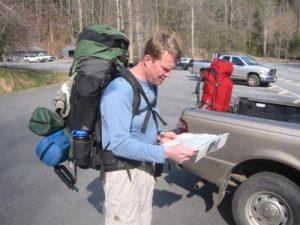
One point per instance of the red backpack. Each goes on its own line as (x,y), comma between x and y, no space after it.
(217,87)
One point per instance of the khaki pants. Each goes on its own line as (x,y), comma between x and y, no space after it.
(129,202)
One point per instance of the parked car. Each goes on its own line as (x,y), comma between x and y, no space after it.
(32,58)
(46,58)
(184,63)
(244,69)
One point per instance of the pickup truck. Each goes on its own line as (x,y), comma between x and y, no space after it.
(46,58)
(200,66)
(261,159)
(244,69)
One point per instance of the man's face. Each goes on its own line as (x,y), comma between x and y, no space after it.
(158,70)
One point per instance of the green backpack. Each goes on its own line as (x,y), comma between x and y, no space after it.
(101,52)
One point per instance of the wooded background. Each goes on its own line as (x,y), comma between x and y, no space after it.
(202,27)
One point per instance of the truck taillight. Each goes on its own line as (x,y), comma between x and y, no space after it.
(182,127)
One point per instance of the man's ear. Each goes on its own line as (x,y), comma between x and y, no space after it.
(147,60)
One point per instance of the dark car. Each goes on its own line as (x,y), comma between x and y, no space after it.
(184,63)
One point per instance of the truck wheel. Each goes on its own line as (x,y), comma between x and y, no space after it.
(253,81)
(267,198)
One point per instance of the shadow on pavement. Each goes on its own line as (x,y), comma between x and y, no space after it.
(208,192)
(163,198)
(224,207)
(187,181)
(96,198)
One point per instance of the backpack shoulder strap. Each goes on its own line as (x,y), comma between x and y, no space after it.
(213,72)
(137,89)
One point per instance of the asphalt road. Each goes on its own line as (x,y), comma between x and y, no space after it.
(31,194)
(61,65)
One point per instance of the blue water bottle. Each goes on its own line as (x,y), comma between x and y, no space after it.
(81,148)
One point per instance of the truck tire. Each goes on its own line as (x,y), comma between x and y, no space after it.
(267,198)
(253,80)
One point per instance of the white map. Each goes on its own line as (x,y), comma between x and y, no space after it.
(202,143)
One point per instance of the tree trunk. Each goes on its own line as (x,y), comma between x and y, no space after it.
(50,46)
(138,28)
(118,15)
(226,21)
(79,15)
(286,50)
(157,15)
(70,21)
(265,41)
(37,8)
(192,31)
(279,44)
(130,30)
(267,12)
(122,17)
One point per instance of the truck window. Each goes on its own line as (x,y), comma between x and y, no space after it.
(249,60)
(226,58)
(237,61)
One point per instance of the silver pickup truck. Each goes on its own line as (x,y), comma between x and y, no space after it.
(244,69)
(261,159)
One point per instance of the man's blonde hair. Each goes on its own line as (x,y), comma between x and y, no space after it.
(159,43)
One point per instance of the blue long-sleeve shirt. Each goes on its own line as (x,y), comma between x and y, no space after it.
(121,131)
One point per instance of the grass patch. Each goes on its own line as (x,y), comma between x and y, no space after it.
(12,80)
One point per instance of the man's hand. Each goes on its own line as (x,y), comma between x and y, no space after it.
(164,137)
(179,153)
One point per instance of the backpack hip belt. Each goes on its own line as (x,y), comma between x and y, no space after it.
(113,163)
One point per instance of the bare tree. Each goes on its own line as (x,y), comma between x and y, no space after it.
(138,28)
(285,25)
(266,12)
(246,25)
(130,30)
(70,21)
(118,15)
(235,8)
(38,19)
(296,8)
(226,9)
(121,16)
(192,5)
(157,14)
(79,6)
(13,29)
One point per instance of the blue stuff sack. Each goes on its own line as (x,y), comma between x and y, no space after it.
(54,148)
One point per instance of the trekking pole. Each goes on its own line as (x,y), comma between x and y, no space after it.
(198,88)
(66,176)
